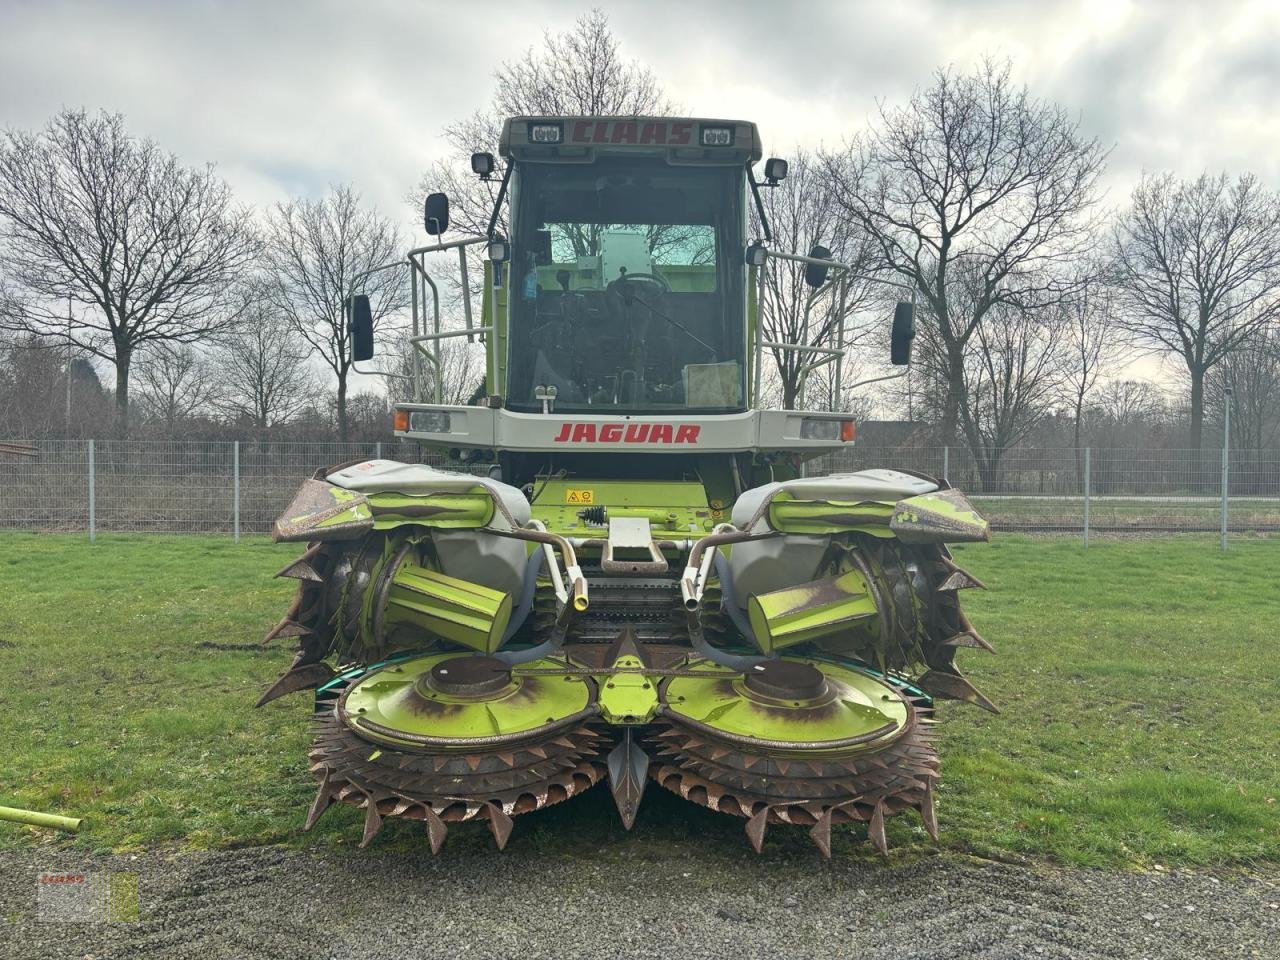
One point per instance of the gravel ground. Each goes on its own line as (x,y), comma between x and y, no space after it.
(627,901)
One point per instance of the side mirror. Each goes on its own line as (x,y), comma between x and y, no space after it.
(436,214)
(815,275)
(775,169)
(904,331)
(360,326)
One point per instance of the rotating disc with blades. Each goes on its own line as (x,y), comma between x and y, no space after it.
(807,742)
(454,737)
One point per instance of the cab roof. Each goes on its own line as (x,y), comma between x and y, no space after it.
(683,139)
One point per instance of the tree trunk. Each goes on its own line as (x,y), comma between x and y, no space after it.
(1197,409)
(342,406)
(123,357)
(954,397)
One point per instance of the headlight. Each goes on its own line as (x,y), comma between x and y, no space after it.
(819,429)
(545,133)
(717,136)
(430,421)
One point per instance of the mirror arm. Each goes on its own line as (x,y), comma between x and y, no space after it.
(755,192)
(888,376)
(497,204)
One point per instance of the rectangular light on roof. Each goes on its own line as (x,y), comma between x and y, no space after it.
(545,133)
(717,136)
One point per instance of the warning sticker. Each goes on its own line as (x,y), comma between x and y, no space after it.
(580,497)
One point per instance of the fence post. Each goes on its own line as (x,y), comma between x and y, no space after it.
(235,479)
(1226,460)
(377,450)
(1088,475)
(93,533)
(946,464)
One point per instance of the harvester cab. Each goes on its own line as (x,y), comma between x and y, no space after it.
(628,577)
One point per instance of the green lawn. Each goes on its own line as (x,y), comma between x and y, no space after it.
(1140,684)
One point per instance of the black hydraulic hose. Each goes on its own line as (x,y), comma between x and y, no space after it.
(729,600)
(527,591)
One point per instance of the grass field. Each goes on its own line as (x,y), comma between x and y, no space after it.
(1140,683)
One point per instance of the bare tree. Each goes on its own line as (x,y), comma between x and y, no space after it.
(316,249)
(580,72)
(462,373)
(1011,379)
(1198,269)
(972,179)
(265,370)
(802,212)
(147,250)
(175,384)
(1092,342)
(1252,372)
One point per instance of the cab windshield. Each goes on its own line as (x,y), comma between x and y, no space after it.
(627,286)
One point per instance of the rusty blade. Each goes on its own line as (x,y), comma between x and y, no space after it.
(927,812)
(958,578)
(756,828)
(821,833)
(324,799)
(299,677)
(628,765)
(372,820)
(875,830)
(953,686)
(499,825)
(436,829)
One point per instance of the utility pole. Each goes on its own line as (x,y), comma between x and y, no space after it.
(1226,458)
(68,366)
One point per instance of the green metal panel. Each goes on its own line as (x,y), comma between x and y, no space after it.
(447,510)
(811,611)
(830,516)
(458,610)
(398,698)
(854,704)
(628,698)
(941,516)
(674,509)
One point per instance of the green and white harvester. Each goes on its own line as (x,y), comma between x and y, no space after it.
(628,578)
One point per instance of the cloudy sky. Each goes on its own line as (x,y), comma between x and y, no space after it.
(286,98)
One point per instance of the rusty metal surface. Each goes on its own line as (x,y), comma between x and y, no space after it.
(814,792)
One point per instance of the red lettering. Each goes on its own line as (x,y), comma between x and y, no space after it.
(611,433)
(581,130)
(563,435)
(653,133)
(680,133)
(584,433)
(601,132)
(687,433)
(637,432)
(661,433)
(623,133)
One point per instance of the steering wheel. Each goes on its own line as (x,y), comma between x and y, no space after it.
(653,278)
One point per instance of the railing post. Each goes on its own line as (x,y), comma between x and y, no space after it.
(377,448)
(235,481)
(1226,460)
(1088,476)
(946,464)
(93,533)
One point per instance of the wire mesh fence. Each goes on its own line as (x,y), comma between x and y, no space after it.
(217,488)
